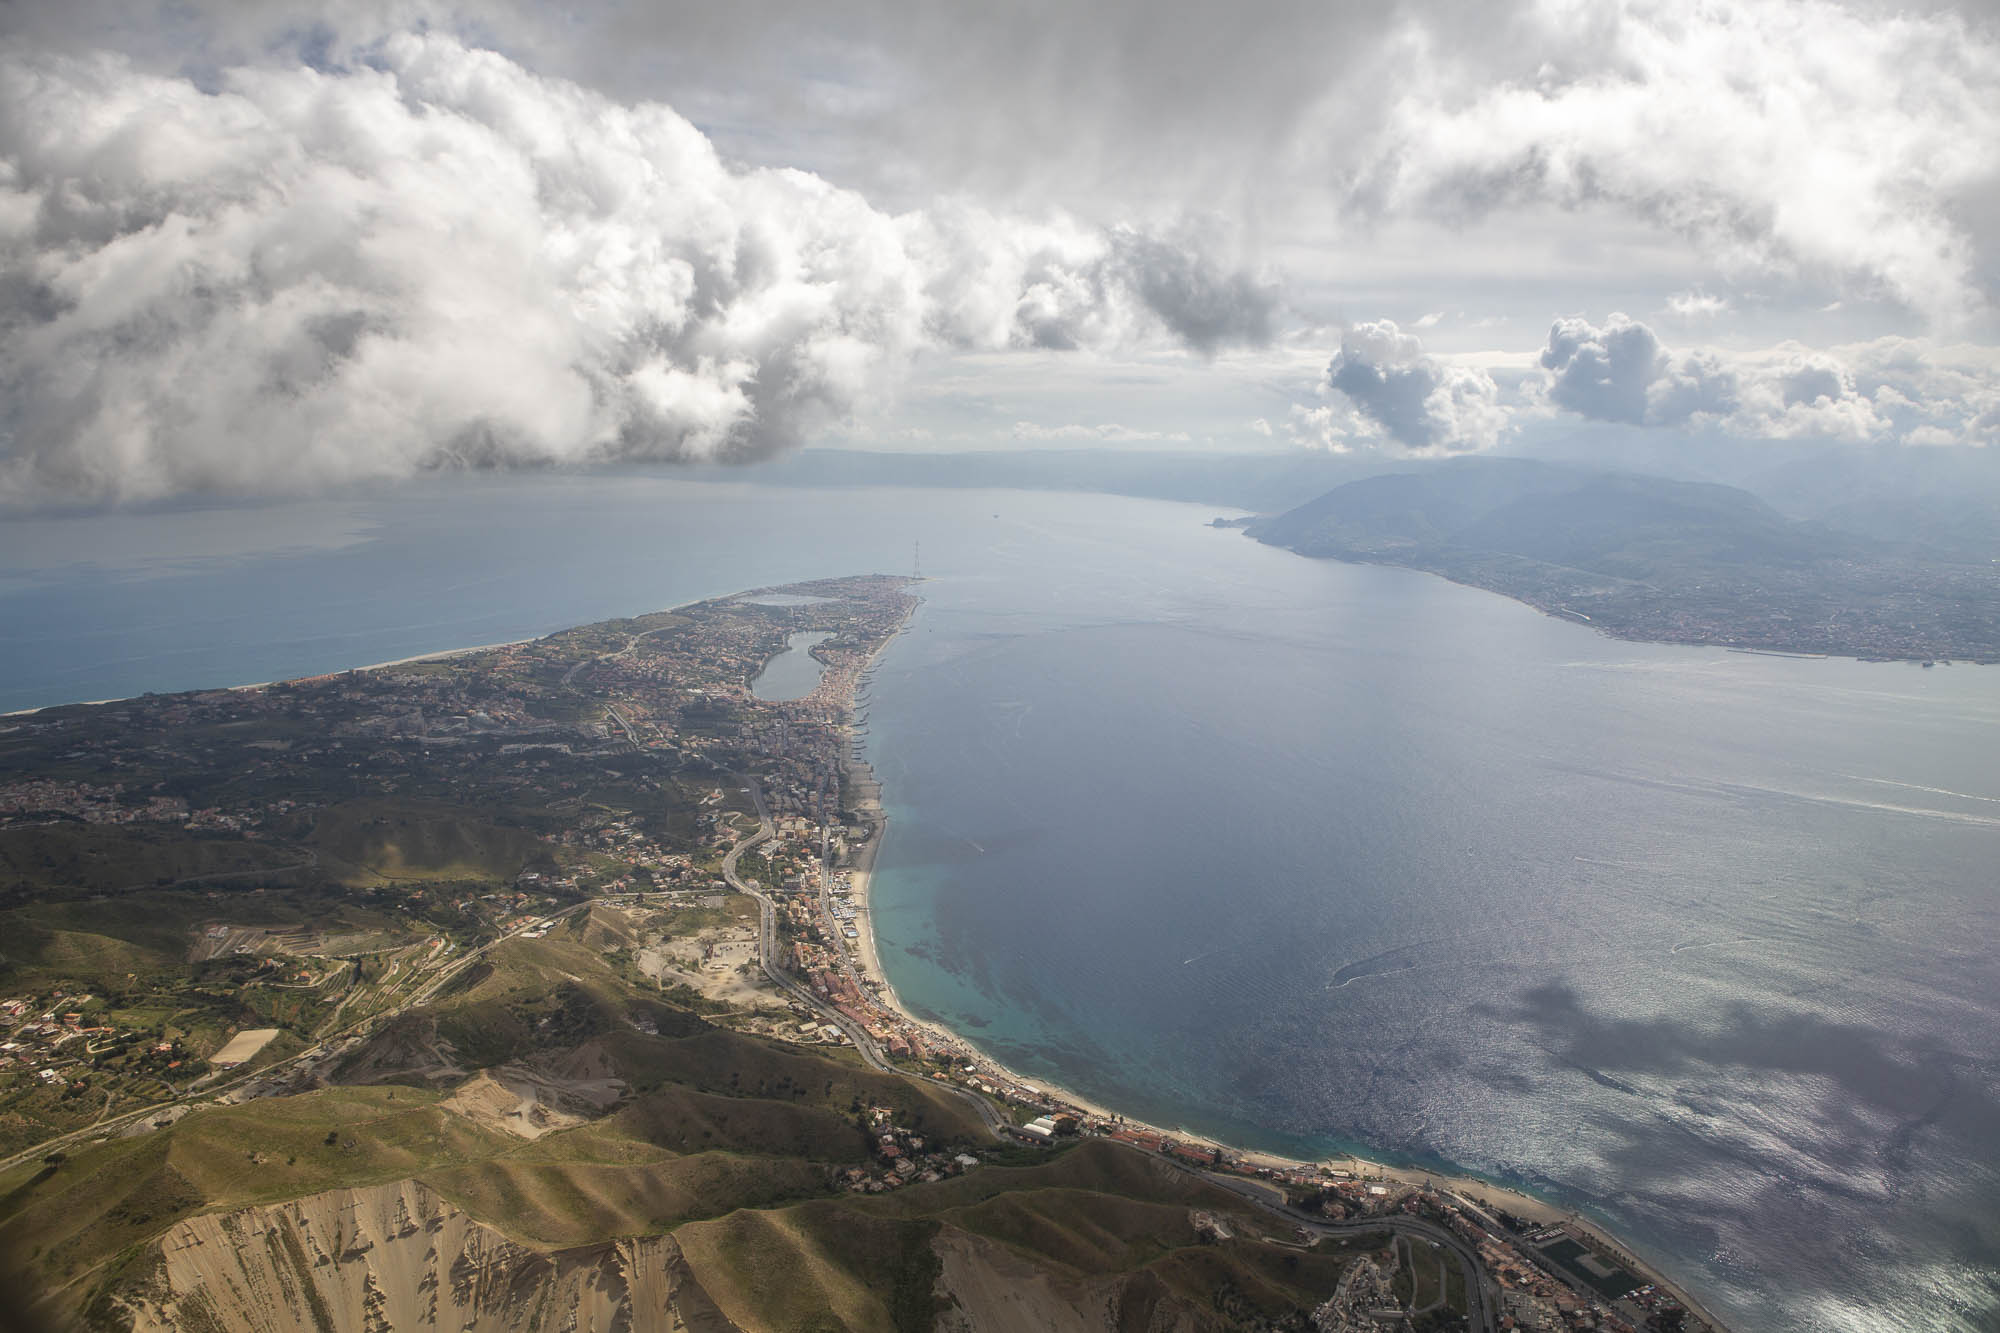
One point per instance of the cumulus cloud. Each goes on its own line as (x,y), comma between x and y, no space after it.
(1848,141)
(282,277)
(996,281)
(1891,389)
(1409,398)
(1206,306)
(1384,390)
(1620,372)
(1845,141)
(278,245)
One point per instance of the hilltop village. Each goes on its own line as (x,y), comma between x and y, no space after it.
(590,884)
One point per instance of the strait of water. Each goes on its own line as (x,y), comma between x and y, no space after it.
(1306,855)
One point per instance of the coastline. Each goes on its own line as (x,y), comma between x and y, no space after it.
(868,804)
(859,779)
(439,655)
(435,655)
(1557,611)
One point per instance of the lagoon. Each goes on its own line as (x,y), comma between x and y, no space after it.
(794,673)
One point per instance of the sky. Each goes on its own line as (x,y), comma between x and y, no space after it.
(282,248)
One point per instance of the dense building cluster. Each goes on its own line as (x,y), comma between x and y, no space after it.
(454,799)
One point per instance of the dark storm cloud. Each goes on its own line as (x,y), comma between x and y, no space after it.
(1206,305)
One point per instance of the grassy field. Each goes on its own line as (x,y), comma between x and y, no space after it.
(1427,1274)
(816,1267)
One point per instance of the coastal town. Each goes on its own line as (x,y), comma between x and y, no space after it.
(315,861)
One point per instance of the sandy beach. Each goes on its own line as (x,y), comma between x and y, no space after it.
(865,793)
(438,656)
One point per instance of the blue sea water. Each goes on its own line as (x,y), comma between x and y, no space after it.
(1308,855)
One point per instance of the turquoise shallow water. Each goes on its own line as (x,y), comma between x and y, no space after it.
(1301,853)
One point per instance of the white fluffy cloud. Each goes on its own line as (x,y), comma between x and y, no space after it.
(441,259)
(1403,397)
(1621,373)
(1697,305)
(1383,390)
(1892,389)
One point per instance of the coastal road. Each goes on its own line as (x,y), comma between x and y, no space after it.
(767,951)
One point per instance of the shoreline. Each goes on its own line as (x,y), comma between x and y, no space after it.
(434,656)
(860,778)
(247,686)
(1564,613)
(867,803)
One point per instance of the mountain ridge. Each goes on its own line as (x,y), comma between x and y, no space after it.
(1656,558)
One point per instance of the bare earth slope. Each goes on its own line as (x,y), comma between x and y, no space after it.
(399,1257)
